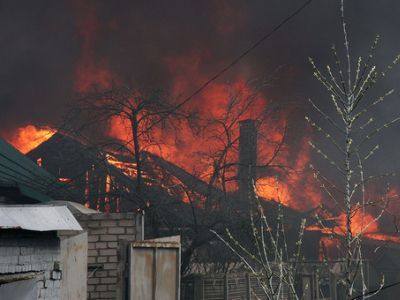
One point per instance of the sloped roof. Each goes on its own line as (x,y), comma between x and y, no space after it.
(188,179)
(37,218)
(18,171)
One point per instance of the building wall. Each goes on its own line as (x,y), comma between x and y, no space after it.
(27,251)
(105,235)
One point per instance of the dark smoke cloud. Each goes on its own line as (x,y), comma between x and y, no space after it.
(41,47)
(37,59)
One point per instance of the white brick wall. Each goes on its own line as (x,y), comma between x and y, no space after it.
(104,233)
(22,251)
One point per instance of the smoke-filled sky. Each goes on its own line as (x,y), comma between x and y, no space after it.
(50,50)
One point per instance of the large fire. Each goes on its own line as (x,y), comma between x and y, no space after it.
(193,151)
(296,189)
(213,106)
(29,137)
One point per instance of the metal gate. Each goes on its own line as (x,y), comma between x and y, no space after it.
(154,269)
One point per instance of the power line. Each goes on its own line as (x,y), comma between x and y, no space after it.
(30,171)
(27,182)
(219,73)
(28,178)
(377,290)
(245,53)
(31,181)
(17,180)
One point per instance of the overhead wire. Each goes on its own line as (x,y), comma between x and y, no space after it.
(15,173)
(30,171)
(376,291)
(30,181)
(10,178)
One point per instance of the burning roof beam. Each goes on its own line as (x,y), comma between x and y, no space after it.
(192,182)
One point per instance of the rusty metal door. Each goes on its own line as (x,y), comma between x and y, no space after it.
(155,269)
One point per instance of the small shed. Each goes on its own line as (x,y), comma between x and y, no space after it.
(35,261)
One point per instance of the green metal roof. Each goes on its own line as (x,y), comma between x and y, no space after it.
(19,172)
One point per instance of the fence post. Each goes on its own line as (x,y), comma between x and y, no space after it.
(226,287)
(198,285)
(248,286)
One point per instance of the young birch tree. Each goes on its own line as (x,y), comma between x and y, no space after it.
(352,130)
(269,258)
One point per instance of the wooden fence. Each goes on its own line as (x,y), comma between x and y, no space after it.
(234,286)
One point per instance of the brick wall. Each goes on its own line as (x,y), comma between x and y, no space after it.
(37,252)
(105,231)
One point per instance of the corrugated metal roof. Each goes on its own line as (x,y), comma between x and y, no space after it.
(18,170)
(37,218)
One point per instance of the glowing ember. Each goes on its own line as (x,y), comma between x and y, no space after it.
(129,169)
(107,197)
(62,179)
(29,137)
(87,201)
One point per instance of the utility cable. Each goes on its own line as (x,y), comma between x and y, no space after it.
(30,171)
(14,173)
(377,290)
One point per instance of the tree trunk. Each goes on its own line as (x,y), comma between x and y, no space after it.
(137,160)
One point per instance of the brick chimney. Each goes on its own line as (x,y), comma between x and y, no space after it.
(247,155)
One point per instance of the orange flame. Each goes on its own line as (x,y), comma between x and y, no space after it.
(362,223)
(29,137)
(296,190)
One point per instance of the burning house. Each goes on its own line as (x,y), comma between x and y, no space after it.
(176,201)
(69,169)
(106,181)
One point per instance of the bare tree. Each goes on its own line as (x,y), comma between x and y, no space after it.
(269,257)
(140,110)
(350,135)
